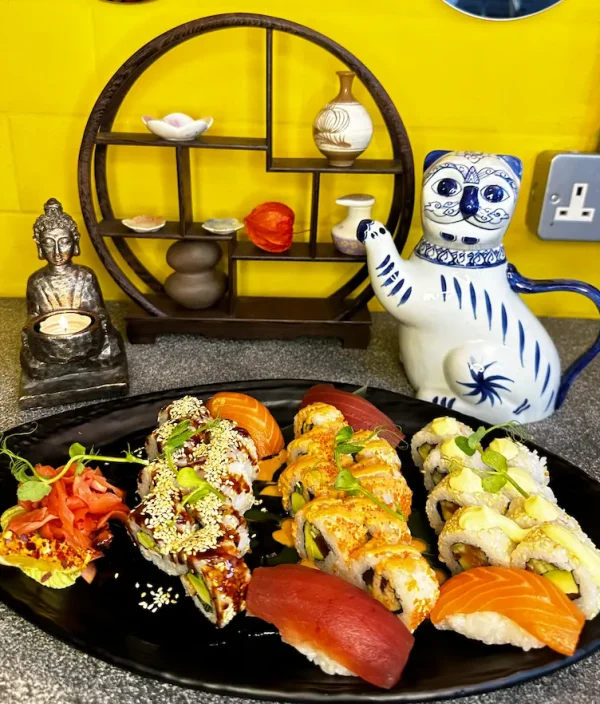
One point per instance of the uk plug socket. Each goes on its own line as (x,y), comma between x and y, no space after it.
(565,197)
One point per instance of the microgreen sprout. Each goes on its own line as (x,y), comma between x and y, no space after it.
(345,480)
(188,479)
(33,486)
(472,442)
(496,477)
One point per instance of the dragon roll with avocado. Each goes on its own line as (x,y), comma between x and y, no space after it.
(190,522)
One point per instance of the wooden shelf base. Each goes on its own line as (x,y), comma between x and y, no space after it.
(279,318)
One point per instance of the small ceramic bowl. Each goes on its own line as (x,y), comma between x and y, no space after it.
(177,127)
(144,223)
(225,226)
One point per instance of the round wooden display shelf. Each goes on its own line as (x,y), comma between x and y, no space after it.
(239,317)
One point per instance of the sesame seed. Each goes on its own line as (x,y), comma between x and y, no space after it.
(137,585)
(116,575)
(143,594)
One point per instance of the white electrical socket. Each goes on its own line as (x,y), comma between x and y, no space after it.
(565,196)
(576,210)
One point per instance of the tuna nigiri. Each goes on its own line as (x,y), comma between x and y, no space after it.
(253,416)
(504,605)
(359,413)
(336,625)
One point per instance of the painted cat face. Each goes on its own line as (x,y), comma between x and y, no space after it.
(469,198)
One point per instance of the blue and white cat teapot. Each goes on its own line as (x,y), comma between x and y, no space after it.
(467,340)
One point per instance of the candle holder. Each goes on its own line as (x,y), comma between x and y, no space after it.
(70,350)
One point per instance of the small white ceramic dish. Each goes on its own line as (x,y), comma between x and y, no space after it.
(177,127)
(144,223)
(222,226)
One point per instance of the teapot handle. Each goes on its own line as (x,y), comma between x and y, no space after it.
(522,284)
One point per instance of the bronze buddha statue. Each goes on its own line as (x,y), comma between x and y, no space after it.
(69,361)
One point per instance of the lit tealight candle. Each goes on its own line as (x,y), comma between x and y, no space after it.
(65,323)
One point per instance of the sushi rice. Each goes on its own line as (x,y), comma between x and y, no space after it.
(433,434)
(449,496)
(399,577)
(519,455)
(490,628)
(317,414)
(542,554)
(490,545)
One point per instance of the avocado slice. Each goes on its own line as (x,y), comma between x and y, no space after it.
(312,550)
(200,586)
(437,477)
(424,450)
(448,509)
(297,501)
(146,540)
(563,580)
(540,566)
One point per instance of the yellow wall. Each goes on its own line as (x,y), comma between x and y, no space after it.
(459,83)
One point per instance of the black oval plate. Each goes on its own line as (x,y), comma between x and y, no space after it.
(248,658)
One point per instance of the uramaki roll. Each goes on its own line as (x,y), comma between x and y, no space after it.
(478,537)
(433,434)
(316,414)
(399,577)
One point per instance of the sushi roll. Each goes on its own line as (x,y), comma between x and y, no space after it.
(498,605)
(477,537)
(146,477)
(317,442)
(433,434)
(374,448)
(306,479)
(528,484)
(226,459)
(386,483)
(328,530)
(399,577)
(560,555)
(460,490)
(536,510)
(217,583)
(443,458)
(186,408)
(316,414)
(520,456)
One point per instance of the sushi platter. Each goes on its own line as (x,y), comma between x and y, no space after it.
(293,541)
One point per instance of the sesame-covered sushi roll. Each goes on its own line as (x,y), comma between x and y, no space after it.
(535,510)
(526,483)
(161,522)
(307,478)
(385,482)
(186,408)
(458,490)
(399,577)
(477,537)
(316,414)
(519,455)
(433,434)
(146,477)
(560,555)
(217,583)
(328,530)
(226,459)
(445,457)
(317,442)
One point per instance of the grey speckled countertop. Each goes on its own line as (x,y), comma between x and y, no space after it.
(36,669)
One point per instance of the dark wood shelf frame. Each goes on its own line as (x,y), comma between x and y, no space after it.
(341,314)
(143,139)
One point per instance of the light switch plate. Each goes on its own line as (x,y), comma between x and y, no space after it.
(564,202)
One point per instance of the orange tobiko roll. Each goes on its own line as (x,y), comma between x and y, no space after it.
(253,416)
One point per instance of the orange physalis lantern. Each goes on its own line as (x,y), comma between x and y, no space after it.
(270,226)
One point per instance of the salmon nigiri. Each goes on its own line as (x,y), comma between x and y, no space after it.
(504,605)
(253,416)
(335,624)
